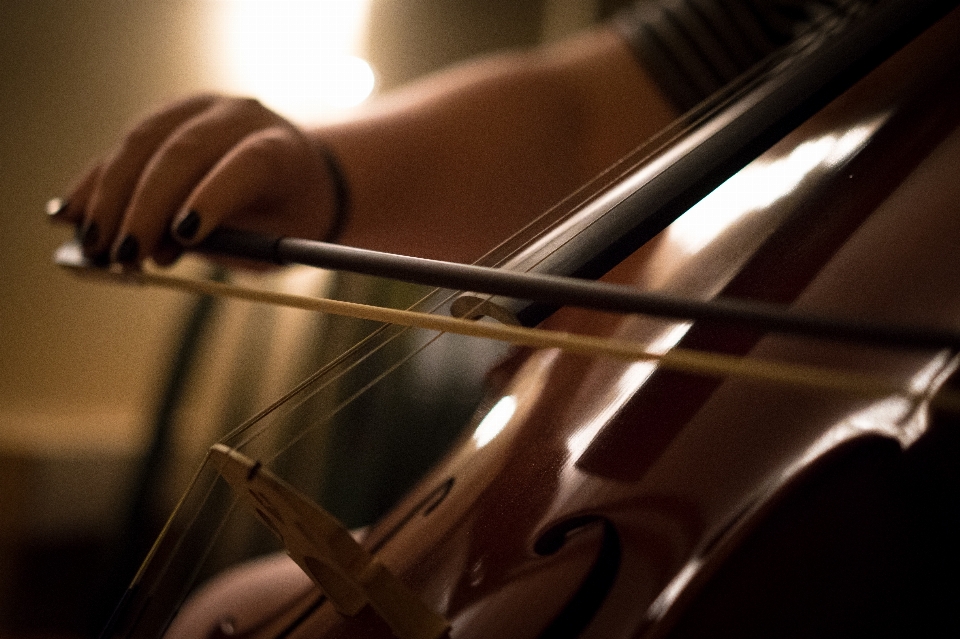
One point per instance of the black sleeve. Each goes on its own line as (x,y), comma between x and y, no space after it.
(692,48)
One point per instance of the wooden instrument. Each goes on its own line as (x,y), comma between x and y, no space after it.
(600,497)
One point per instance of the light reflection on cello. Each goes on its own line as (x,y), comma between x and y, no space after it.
(627,500)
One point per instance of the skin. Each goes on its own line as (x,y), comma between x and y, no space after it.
(445,168)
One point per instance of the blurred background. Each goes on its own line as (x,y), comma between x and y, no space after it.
(93,377)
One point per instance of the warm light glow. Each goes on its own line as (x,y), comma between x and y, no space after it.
(620,392)
(763,182)
(297,56)
(495,421)
(615,398)
(669,595)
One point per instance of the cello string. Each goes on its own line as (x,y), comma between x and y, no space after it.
(570,204)
(318,423)
(315,383)
(773,372)
(601,296)
(677,359)
(333,371)
(683,360)
(187,518)
(865,385)
(347,360)
(320,374)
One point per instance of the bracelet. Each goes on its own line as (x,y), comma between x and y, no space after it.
(341,194)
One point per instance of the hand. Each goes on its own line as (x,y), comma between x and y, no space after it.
(192,166)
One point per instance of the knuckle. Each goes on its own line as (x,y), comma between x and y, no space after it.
(204,99)
(266,147)
(253,111)
(249,102)
(247,106)
(190,105)
(140,136)
(180,148)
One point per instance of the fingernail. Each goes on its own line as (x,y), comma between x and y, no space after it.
(188,226)
(56,206)
(101,260)
(167,253)
(129,250)
(89,235)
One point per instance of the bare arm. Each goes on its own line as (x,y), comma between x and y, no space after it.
(445,168)
(473,154)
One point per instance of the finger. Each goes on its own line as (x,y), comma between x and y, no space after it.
(106,198)
(70,209)
(274,181)
(177,167)
(168,252)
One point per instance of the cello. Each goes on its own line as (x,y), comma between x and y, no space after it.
(595,497)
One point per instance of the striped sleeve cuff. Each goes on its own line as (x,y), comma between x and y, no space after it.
(692,48)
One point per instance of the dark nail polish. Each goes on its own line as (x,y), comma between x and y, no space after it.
(56,206)
(129,250)
(188,226)
(100,260)
(168,251)
(90,235)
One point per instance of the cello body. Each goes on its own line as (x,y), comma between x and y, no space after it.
(591,497)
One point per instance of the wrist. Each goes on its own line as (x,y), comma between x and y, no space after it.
(340,191)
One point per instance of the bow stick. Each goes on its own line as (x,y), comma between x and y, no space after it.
(569,291)
(685,360)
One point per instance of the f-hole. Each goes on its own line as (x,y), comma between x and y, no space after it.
(586,601)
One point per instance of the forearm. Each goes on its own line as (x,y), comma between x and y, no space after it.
(446,169)
(455,164)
